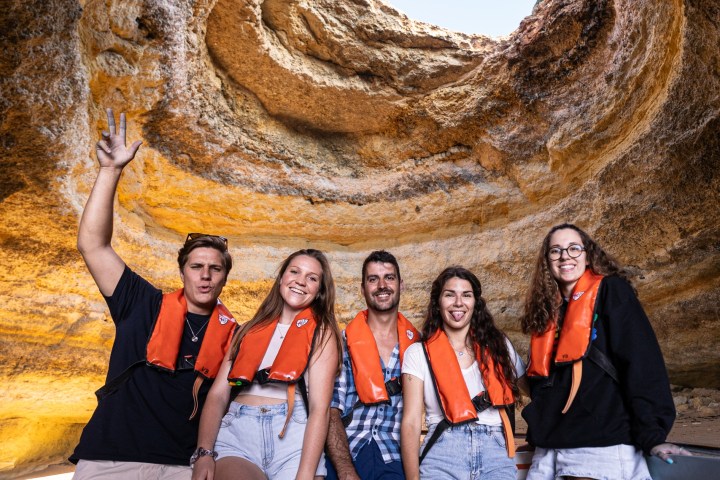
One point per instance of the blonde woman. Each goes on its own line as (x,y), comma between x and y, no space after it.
(282,366)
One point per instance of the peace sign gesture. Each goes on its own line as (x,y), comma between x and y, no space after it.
(111,149)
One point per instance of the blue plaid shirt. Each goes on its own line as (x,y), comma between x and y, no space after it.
(377,422)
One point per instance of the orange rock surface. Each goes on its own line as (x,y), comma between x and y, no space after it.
(345,126)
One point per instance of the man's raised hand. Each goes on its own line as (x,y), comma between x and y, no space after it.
(111,149)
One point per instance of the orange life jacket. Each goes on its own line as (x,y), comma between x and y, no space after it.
(289,364)
(292,358)
(365,356)
(164,343)
(455,400)
(575,335)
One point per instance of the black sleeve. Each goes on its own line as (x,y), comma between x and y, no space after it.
(132,290)
(643,377)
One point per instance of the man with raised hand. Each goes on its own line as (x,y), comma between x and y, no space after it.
(145,424)
(364,436)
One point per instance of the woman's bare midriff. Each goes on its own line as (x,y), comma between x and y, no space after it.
(257,400)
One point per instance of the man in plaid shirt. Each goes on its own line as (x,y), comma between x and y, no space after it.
(364,435)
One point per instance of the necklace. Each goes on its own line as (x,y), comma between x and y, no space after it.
(194,337)
(461,353)
(280,328)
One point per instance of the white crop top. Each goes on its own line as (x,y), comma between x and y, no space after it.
(270,390)
(415,364)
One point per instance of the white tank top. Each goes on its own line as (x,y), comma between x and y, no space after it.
(270,390)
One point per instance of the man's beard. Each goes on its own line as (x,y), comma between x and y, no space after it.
(387,307)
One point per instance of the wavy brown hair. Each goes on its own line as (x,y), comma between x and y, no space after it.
(543,299)
(483,331)
(323,306)
(206,241)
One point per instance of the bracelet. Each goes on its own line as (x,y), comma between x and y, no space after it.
(202,452)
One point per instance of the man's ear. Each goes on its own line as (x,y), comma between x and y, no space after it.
(402,284)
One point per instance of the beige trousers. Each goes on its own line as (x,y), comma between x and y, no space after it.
(109,470)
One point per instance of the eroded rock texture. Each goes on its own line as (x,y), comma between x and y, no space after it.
(343,125)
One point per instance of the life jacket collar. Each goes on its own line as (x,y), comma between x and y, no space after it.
(163,346)
(292,358)
(576,332)
(365,358)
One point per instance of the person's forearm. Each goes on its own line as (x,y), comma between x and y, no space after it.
(313,442)
(96,224)
(338,448)
(210,419)
(212,414)
(410,450)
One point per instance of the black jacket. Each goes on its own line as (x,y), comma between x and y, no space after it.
(637,410)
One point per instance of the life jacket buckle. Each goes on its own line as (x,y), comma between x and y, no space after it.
(262,376)
(481,401)
(393,387)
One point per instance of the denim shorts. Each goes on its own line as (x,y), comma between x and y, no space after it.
(607,463)
(471,451)
(251,432)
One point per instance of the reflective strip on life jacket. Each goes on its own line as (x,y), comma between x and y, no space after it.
(292,358)
(365,356)
(574,342)
(163,346)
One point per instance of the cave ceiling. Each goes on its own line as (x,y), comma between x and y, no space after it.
(346,126)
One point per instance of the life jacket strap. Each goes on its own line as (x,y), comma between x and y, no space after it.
(604,362)
(575,385)
(291,404)
(601,360)
(393,388)
(507,432)
(441,427)
(112,386)
(195,390)
(481,401)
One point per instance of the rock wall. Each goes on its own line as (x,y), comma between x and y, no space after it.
(343,125)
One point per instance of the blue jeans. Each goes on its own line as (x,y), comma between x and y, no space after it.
(370,465)
(468,452)
(251,433)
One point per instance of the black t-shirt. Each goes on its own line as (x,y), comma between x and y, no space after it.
(147,418)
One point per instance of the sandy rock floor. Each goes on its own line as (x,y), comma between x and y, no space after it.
(698,416)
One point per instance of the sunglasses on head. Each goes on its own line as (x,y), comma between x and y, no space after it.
(195,236)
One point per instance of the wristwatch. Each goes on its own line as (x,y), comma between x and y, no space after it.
(201,452)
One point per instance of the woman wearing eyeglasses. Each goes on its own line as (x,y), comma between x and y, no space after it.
(277,379)
(600,392)
(465,374)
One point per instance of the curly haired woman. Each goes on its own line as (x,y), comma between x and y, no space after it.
(600,392)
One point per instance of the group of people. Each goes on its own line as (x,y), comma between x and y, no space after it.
(191,393)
